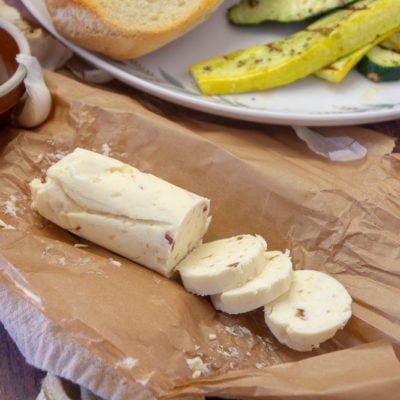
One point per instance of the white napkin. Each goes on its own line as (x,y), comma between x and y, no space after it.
(47,347)
(53,389)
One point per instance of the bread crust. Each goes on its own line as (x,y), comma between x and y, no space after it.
(86,23)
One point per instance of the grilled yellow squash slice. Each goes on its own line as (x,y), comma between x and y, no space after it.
(338,70)
(392,42)
(286,60)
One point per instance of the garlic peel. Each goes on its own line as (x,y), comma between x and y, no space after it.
(37,104)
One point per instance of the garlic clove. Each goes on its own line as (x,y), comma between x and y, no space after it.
(37,104)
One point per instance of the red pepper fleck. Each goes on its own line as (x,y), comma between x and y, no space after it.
(233,265)
(301,313)
(170,240)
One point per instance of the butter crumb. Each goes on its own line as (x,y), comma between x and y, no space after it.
(11,206)
(59,155)
(105,148)
(128,363)
(115,263)
(212,336)
(81,245)
(39,158)
(229,352)
(6,227)
(230,330)
(233,351)
(244,330)
(145,380)
(197,366)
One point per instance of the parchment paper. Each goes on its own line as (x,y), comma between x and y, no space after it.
(342,218)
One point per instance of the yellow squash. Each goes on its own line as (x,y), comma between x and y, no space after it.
(338,70)
(392,42)
(286,60)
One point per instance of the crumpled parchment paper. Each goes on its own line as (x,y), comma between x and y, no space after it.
(342,218)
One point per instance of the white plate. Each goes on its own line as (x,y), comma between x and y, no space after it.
(309,101)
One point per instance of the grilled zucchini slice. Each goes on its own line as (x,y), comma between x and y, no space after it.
(380,65)
(252,12)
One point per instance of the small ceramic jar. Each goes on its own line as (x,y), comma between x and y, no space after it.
(13,80)
(12,74)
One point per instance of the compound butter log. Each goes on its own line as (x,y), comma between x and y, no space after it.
(134,214)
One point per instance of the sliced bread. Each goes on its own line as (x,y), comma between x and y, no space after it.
(127,29)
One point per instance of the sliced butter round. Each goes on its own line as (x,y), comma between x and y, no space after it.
(224,264)
(273,281)
(311,312)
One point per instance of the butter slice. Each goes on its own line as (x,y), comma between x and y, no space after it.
(273,281)
(224,264)
(118,207)
(311,312)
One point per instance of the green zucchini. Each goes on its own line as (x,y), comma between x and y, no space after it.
(301,54)
(338,70)
(251,12)
(380,65)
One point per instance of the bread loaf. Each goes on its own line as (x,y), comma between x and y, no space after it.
(127,29)
(114,205)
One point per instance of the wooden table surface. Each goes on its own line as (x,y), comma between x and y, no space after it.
(20,381)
